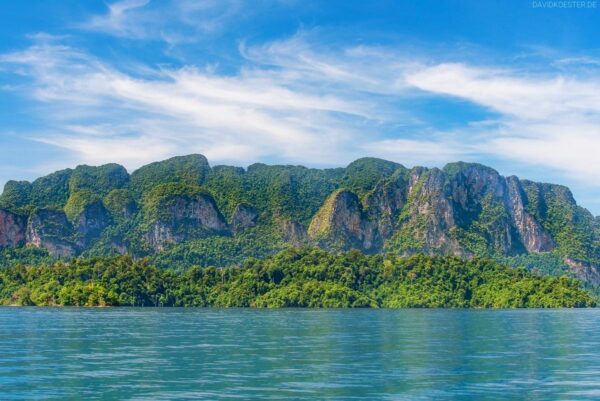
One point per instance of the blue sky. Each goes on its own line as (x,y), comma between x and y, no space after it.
(511,84)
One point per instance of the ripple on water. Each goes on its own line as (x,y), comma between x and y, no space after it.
(231,354)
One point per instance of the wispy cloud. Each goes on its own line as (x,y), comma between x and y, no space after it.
(360,68)
(549,120)
(173,22)
(120,19)
(103,114)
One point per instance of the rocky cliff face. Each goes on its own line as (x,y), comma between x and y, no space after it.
(584,271)
(429,215)
(531,233)
(184,218)
(244,216)
(50,229)
(342,224)
(12,229)
(463,210)
(295,233)
(481,202)
(91,222)
(385,202)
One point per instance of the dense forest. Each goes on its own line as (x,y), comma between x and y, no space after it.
(307,277)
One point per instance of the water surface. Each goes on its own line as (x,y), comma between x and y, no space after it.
(246,354)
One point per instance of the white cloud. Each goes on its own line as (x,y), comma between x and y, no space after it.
(119,19)
(171,21)
(545,120)
(362,69)
(508,92)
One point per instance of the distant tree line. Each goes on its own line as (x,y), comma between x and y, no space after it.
(292,278)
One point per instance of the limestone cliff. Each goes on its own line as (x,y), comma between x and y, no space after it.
(373,205)
(184,218)
(342,224)
(12,229)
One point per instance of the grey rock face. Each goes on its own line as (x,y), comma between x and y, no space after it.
(434,208)
(431,215)
(50,229)
(91,222)
(244,216)
(342,223)
(186,218)
(584,271)
(385,203)
(12,229)
(295,234)
(531,233)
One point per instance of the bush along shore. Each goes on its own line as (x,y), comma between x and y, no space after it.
(305,277)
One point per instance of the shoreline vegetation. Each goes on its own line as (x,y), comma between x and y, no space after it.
(305,277)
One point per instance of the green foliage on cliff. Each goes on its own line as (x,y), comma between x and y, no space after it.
(120,202)
(51,190)
(411,226)
(190,170)
(363,174)
(101,180)
(575,230)
(292,278)
(546,263)
(452,170)
(157,200)
(78,201)
(291,192)
(25,256)
(320,224)
(484,235)
(16,195)
(229,187)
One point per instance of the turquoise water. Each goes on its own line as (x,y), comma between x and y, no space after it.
(235,354)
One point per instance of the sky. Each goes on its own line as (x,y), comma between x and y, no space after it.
(511,84)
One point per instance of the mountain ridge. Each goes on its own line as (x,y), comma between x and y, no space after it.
(184,209)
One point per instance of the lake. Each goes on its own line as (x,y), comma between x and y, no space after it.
(248,354)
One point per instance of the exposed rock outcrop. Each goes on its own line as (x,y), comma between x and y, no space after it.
(428,215)
(12,229)
(342,224)
(294,233)
(184,218)
(584,271)
(531,233)
(480,197)
(244,216)
(50,229)
(385,202)
(91,222)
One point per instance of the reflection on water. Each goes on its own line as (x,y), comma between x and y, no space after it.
(220,354)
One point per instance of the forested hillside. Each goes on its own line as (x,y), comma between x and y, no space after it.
(182,212)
